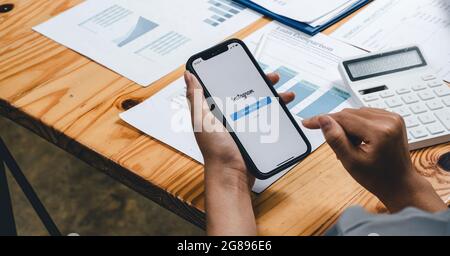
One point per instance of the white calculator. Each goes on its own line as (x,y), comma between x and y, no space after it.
(401,81)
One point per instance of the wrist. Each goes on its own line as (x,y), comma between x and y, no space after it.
(412,191)
(228,202)
(226,178)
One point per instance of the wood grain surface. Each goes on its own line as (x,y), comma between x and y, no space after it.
(75,104)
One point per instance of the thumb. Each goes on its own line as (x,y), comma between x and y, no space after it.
(336,137)
(194,94)
(193,87)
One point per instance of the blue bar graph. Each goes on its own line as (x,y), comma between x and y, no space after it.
(224,7)
(220,12)
(302,90)
(325,104)
(286,74)
(212,23)
(251,108)
(218,18)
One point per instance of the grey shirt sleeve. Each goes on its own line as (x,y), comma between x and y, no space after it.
(410,222)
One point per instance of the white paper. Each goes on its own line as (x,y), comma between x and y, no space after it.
(387,24)
(166,117)
(145,40)
(315,13)
(315,58)
(343,9)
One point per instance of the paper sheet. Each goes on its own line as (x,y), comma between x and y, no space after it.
(393,23)
(304,10)
(307,65)
(145,40)
(344,8)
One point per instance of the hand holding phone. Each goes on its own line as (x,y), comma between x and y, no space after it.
(243,99)
(224,154)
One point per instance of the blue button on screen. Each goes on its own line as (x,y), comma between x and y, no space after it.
(251,108)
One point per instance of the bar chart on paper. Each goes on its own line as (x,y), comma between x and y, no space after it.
(146,40)
(221,11)
(325,103)
(118,18)
(307,66)
(311,99)
(142,27)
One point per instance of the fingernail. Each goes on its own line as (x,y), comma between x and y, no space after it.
(325,122)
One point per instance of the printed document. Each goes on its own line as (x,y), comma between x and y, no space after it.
(315,13)
(145,40)
(307,66)
(387,24)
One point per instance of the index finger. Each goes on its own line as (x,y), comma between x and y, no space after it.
(355,124)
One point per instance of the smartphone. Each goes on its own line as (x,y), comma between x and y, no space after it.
(269,138)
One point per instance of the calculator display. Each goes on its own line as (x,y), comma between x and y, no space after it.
(385,63)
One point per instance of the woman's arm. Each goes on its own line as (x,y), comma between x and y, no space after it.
(228,202)
(228,184)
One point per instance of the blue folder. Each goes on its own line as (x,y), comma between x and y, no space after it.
(305,28)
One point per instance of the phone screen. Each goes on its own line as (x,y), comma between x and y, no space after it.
(251,110)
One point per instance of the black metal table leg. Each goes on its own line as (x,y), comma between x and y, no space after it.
(18,175)
(7,223)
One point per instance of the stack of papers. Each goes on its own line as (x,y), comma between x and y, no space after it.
(310,18)
(314,13)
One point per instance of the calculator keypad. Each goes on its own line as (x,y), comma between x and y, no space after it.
(418,108)
(419,87)
(403,90)
(411,122)
(446,101)
(435,84)
(434,104)
(442,91)
(410,99)
(387,94)
(444,116)
(419,132)
(426,95)
(394,102)
(435,129)
(425,107)
(428,77)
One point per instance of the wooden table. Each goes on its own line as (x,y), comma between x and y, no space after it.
(75,104)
